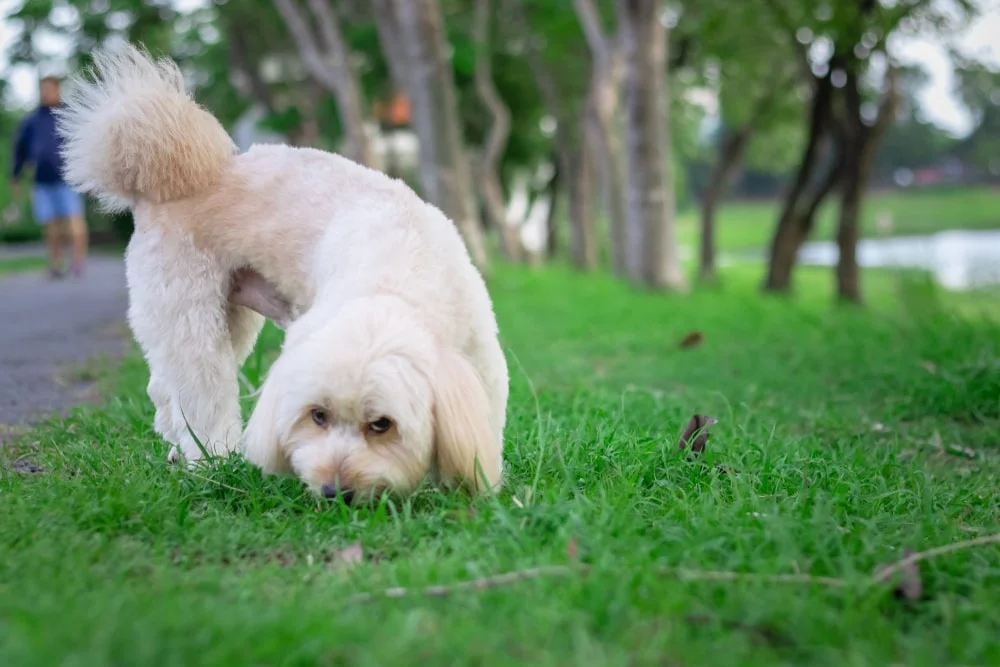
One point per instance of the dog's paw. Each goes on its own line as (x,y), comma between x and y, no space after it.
(174,456)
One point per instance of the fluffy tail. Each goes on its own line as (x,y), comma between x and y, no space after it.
(132,132)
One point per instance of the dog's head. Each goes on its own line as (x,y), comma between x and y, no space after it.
(368,401)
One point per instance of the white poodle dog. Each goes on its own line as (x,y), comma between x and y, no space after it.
(391,370)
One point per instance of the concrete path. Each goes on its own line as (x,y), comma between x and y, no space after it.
(47,326)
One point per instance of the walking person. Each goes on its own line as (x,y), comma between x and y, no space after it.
(56,205)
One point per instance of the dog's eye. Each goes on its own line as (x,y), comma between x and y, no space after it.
(380,425)
(319,416)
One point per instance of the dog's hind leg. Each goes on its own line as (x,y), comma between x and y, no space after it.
(179,316)
(244,328)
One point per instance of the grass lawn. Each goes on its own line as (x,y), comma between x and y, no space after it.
(749,225)
(844,438)
(20,264)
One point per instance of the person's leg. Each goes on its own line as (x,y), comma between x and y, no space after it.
(71,208)
(54,239)
(78,232)
(44,209)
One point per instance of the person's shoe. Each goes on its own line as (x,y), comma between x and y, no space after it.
(56,274)
(78,270)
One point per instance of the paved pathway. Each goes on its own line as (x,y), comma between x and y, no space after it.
(48,325)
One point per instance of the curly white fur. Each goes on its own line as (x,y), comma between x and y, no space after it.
(396,321)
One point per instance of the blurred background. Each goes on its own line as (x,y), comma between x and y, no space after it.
(656,140)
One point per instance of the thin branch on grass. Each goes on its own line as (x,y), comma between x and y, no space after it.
(723,575)
(886,573)
(517,576)
(481,584)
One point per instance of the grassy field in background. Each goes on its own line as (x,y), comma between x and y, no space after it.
(19,264)
(749,225)
(845,436)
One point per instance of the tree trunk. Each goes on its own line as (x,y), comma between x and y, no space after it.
(555,192)
(570,148)
(444,167)
(488,176)
(583,246)
(792,225)
(331,67)
(848,273)
(730,154)
(606,150)
(652,248)
(599,122)
(859,144)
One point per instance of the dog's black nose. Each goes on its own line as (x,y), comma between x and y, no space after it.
(334,491)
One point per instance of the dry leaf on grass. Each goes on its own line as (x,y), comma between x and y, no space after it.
(693,339)
(26,466)
(909,585)
(696,433)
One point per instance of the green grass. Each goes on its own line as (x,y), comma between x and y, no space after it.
(749,225)
(22,264)
(844,437)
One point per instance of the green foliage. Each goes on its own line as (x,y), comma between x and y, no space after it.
(912,142)
(979,87)
(87,24)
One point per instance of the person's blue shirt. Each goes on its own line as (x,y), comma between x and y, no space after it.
(38,143)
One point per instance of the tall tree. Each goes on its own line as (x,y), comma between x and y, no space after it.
(554,44)
(755,88)
(488,168)
(600,116)
(652,255)
(846,120)
(413,40)
(859,138)
(331,67)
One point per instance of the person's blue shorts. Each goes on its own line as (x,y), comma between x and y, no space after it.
(55,200)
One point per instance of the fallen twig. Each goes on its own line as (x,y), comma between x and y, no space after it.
(507,578)
(720,575)
(884,574)
(480,584)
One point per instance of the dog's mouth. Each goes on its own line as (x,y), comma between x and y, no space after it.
(249,288)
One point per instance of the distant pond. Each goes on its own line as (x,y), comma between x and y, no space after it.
(958,260)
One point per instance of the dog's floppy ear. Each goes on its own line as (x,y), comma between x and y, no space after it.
(467,443)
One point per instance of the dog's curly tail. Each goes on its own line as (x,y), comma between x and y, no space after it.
(133,134)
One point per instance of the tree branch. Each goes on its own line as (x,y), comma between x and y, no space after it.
(500,131)
(391,40)
(329,30)
(590,22)
(311,56)
(890,102)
